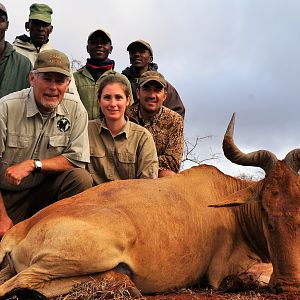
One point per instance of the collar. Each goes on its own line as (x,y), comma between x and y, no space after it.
(32,108)
(8,49)
(101,124)
(151,120)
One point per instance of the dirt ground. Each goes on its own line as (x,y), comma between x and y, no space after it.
(211,295)
(103,291)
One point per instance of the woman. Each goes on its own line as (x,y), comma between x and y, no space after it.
(119,148)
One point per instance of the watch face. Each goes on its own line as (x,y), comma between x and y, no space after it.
(38,164)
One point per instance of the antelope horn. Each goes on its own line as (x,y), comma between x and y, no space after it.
(261,158)
(292,159)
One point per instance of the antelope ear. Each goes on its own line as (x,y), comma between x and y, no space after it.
(241,197)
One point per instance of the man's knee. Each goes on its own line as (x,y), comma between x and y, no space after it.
(76,181)
(82,177)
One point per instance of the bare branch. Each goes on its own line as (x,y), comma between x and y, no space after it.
(189,151)
(76,64)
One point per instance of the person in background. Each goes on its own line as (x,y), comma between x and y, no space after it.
(14,67)
(87,78)
(119,148)
(44,144)
(141,60)
(39,27)
(165,125)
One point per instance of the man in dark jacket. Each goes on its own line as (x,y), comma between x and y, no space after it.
(14,67)
(141,59)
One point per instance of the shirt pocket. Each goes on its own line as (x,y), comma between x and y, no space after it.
(97,161)
(128,163)
(58,143)
(16,149)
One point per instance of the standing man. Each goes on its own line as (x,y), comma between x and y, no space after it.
(14,67)
(39,27)
(87,78)
(165,125)
(141,59)
(44,143)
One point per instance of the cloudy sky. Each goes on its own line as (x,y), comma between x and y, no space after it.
(222,56)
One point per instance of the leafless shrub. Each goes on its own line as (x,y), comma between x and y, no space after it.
(190,153)
(76,64)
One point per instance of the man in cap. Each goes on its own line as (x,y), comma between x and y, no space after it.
(141,59)
(14,67)
(39,28)
(165,125)
(44,144)
(87,78)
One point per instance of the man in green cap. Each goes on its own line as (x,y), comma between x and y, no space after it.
(39,27)
(14,67)
(141,60)
(44,143)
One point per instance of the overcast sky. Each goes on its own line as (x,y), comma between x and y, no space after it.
(221,55)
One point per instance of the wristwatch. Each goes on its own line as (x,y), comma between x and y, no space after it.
(38,165)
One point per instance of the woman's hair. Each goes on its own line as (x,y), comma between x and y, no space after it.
(114,78)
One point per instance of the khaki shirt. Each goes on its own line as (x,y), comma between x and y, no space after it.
(24,134)
(166,128)
(131,154)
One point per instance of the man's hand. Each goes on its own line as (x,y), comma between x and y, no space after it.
(5,224)
(16,173)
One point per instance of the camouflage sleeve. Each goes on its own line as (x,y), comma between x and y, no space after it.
(172,157)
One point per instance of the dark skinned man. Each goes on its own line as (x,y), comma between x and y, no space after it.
(14,67)
(39,28)
(141,60)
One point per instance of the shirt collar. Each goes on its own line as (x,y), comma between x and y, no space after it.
(101,124)
(32,108)
(151,120)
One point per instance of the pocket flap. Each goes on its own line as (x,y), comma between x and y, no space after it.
(96,152)
(127,157)
(15,141)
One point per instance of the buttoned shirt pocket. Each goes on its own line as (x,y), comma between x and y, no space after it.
(127,165)
(58,143)
(16,149)
(97,157)
(97,165)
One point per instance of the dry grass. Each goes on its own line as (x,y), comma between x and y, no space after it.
(98,290)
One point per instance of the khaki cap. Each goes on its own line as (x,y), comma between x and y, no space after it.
(40,12)
(101,31)
(52,61)
(152,76)
(2,7)
(140,42)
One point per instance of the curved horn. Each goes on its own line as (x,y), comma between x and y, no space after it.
(261,158)
(292,159)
